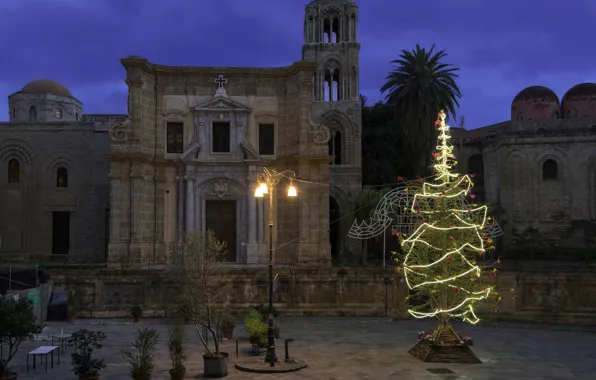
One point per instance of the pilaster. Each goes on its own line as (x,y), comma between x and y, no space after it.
(120,195)
(314,248)
(252,242)
(190,199)
(136,209)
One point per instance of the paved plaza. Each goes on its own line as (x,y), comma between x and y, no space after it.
(356,348)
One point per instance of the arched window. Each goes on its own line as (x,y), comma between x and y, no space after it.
(59,113)
(572,114)
(61,177)
(335,37)
(14,113)
(14,171)
(521,116)
(327,31)
(550,170)
(332,88)
(32,113)
(76,116)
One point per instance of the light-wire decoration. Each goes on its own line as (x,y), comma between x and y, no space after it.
(441,253)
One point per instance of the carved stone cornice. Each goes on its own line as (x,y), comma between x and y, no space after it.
(134,82)
(313,157)
(345,170)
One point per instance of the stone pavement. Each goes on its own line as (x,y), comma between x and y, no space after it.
(357,349)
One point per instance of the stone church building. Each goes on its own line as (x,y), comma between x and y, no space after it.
(122,188)
(540,168)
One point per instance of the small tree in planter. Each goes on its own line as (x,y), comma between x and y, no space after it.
(17,322)
(142,362)
(176,351)
(85,342)
(136,312)
(228,323)
(201,292)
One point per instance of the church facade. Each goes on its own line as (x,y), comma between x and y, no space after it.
(540,169)
(54,188)
(188,155)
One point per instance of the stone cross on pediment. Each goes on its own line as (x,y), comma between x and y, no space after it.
(220,81)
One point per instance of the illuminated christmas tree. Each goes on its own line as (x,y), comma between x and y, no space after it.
(440,262)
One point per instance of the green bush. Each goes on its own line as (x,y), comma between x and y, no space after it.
(257,329)
(264,310)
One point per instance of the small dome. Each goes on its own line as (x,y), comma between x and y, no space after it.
(582,89)
(535,103)
(46,86)
(580,101)
(537,92)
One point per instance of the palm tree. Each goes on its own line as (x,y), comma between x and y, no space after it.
(419,86)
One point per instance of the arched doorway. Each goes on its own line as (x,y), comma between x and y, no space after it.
(334,229)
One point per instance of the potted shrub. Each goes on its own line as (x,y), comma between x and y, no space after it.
(201,291)
(136,312)
(256,328)
(264,313)
(141,362)
(85,342)
(228,323)
(17,322)
(176,351)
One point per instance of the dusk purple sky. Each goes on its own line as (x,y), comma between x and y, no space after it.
(500,46)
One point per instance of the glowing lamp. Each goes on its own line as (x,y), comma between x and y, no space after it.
(263,188)
(292,191)
(258,193)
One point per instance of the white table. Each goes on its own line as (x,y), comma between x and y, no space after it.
(43,351)
(61,339)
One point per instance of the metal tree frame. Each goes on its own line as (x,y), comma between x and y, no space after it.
(390,212)
(271,179)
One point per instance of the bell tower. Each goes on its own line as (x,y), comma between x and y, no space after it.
(331,39)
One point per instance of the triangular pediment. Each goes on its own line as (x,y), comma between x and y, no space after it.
(222,103)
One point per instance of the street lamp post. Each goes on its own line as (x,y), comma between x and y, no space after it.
(267,182)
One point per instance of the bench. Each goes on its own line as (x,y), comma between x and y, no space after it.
(43,351)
